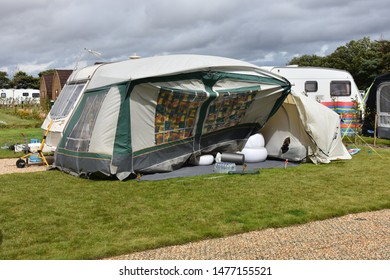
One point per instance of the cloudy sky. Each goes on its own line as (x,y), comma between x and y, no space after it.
(37,35)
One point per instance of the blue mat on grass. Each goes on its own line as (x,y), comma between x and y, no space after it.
(209,169)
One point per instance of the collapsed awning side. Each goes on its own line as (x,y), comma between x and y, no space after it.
(310,130)
(108,111)
(323,127)
(206,134)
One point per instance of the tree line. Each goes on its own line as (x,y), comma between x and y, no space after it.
(20,80)
(364,59)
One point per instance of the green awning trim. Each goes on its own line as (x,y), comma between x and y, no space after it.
(213,77)
(278,103)
(83,154)
(186,91)
(76,116)
(122,144)
(238,90)
(285,84)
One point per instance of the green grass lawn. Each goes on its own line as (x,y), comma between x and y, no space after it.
(8,120)
(52,215)
(11,128)
(12,136)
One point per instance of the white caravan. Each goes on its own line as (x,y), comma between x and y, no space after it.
(65,104)
(19,96)
(333,88)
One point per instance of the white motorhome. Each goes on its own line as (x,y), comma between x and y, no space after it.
(333,88)
(19,96)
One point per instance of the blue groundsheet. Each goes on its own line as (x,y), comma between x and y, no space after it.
(209,169)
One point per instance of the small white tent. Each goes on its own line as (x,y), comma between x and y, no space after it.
(303,129)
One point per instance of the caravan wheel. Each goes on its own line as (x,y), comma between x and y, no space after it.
(20,163)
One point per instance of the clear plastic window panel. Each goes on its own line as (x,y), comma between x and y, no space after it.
(176,114)
(340,88)
(66,101)
(80,136)
(227,110)
(384,121)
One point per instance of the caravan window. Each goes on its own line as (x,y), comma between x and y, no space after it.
(66,100)
(25,94)
(35,94)
(3,95)
(340,88)
(311,86)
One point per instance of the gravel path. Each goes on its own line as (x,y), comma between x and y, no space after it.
(363,236)
(8,166)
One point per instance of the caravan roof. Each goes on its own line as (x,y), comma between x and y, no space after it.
(297,75)
(299,72)
(135,69)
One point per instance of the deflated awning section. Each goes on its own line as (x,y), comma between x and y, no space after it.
(303,129)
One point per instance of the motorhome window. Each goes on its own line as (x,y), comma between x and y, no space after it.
(66,101)
(25,94)
(311,86)
(35,94)
(384,99)
(3,95)
(340,88)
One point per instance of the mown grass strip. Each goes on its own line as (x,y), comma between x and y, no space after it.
(10,120)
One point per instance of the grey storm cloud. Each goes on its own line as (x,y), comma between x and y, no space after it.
(44,34)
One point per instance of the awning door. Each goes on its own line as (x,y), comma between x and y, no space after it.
(383,105)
